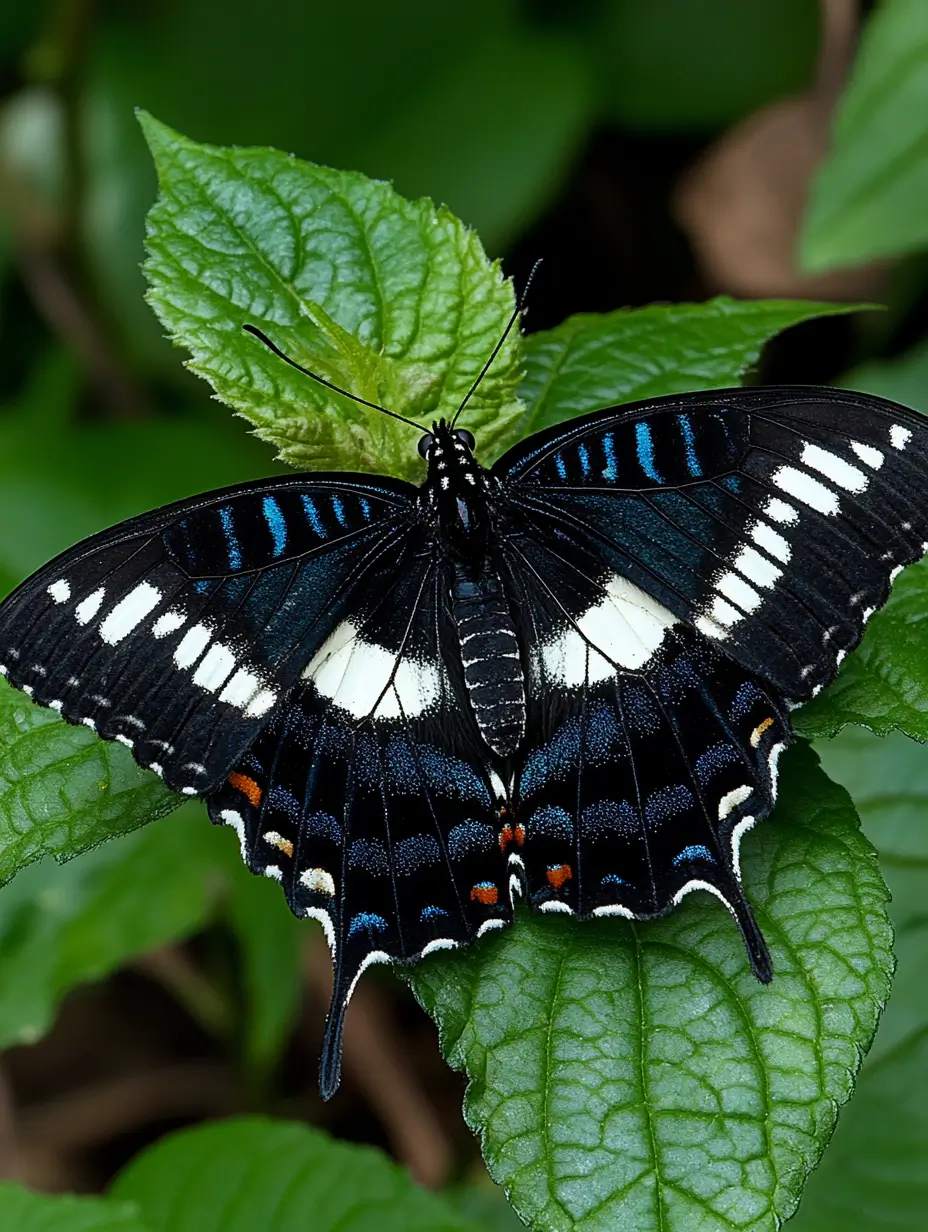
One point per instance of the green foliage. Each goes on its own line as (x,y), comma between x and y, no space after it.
(592,361)
(620,1075)
(873,1175)
(673,64)
(30,1212)
(392,300)
(637,1076)
(250,1173)
(869,197)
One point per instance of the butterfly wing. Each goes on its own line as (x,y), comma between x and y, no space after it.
(773,519)
(648,753)
(180,632)
(368,796)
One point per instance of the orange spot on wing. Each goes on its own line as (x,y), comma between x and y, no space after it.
(248,787)
(485,892)
(759,731)
(510,835)
(557,874)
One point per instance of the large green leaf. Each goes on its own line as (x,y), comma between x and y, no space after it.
(24,1211)
(393,300)
(868,199)
(637,1076)
(246,1174)
(875,1173)
(592,361)
(61,926)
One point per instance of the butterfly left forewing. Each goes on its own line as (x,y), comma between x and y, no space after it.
(180,632)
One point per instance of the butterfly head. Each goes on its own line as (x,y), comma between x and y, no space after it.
(456,485)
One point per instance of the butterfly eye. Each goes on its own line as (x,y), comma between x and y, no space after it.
(425,444)
(465,437)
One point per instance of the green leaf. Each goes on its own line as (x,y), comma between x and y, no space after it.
(393,300)
(62,926)
(250,1173)
(592,361)
(24,1211)
(874,1173)
(868,199)
(637,1076)
(902,380)
(884,684)
(271,940)
(62,790)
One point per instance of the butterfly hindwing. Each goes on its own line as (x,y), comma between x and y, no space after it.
(368,797)
(773,520)
(179,632)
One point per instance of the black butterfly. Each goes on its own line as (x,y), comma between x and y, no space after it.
(567,677)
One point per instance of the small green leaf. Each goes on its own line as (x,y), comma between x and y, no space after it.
(592,361)
(24,1211)
(637,1076)
(62,926)
(248,1174)
(868,199)
(62,790)
(393,300)
(884,684)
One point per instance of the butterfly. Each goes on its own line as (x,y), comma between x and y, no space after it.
(565,677)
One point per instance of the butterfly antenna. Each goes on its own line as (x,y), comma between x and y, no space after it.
(252,329)
(520,307)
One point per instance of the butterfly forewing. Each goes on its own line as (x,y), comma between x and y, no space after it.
(772,520)
(180,632)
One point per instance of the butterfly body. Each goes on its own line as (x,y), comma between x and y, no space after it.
(567,676)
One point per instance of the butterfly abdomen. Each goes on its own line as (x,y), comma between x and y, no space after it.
(490,657)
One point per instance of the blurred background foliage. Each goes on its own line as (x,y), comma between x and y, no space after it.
(666,150)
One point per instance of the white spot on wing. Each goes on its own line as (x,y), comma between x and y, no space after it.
(375,956)
(168,623)
(129,612)
(899,437)
(192,645)
(846,476)
(806,489)
(779,511)
(356,676)
(88,608)
(554,907)
(214,668)
(60,591)
(231,817)
(319,881)
(441,943)
(868,455)
(614,909)
(757,568)
(771,541)
(260,704)
(745,824)
(320,914)
(732,799)
(489,925)
(734,587)
(240,689)
(625,627)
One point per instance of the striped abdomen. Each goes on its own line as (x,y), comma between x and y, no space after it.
(490,655)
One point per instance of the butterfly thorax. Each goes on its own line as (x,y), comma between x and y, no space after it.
(459,490)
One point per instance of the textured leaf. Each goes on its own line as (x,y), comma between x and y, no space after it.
(249,1173)
(592,361)
(868,199)
(24,1211)
(61,789)
(393,300)
(884,684)
(637,1076)
(874,1174)
(61,926)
